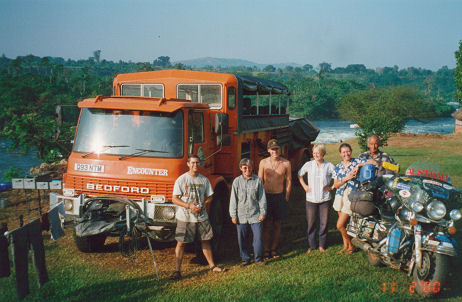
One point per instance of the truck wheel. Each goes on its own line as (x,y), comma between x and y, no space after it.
(217,217)
(89,244)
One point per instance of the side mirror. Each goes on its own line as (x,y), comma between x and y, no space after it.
(221,123)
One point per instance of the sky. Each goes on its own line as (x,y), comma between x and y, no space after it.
(376,33)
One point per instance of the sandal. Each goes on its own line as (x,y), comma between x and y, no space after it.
(217,269)
(267,255)
(350,251)
(175,276)
(275,254)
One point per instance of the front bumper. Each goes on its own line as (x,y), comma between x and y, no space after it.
(157,214)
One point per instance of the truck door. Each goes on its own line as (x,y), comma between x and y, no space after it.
(196,137)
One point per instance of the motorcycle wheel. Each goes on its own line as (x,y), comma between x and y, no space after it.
(430,277)
(374,259)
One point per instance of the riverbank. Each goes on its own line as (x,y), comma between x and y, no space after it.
(334,130)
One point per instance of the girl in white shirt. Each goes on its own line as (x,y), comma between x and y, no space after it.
(317,195)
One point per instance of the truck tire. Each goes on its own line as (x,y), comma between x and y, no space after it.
(218,215)
(89,244)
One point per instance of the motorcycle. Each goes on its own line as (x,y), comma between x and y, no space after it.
(403,222)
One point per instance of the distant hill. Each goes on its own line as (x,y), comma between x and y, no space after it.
(209,61)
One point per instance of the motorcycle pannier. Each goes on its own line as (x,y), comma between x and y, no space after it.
(361,203)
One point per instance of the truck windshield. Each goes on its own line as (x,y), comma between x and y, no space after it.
(129,131)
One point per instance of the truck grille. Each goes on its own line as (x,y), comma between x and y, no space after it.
(129,189)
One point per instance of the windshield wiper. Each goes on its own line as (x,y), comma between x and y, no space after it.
(141,152)
(106,147)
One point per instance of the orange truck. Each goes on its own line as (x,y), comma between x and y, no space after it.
(130,148)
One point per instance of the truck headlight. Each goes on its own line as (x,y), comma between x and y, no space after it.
(168,213)
(455,214)
(68,205)
(436,210)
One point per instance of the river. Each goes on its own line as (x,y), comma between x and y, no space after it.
(334,130)
(16,159)
(331,132)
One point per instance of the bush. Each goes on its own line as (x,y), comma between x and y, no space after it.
(383,111)
(12,172)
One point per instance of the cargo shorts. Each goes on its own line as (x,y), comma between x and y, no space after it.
(187,231)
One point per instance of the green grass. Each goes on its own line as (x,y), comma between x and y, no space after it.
(294,277)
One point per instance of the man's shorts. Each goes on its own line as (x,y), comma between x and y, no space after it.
(342,202)
(187,231)
(276,206)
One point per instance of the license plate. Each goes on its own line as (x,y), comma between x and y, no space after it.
(433,242)
(89,168)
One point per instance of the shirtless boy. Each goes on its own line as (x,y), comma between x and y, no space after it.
(275,172)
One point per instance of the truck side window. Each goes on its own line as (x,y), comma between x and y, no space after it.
(231,97)
(202,93)
(149,90)
(196,127)
(153,90)
(131,90)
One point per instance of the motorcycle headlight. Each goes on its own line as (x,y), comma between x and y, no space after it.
(455,214)
(417,206)
(436,210)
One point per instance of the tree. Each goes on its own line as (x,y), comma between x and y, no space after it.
(289,68)
(307,67)
(180,66)
(458,72)
(325,67)
(143,66)
(97,55)
(162,61)
(31,130)
(356,68)
(269,68)
(383,111)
